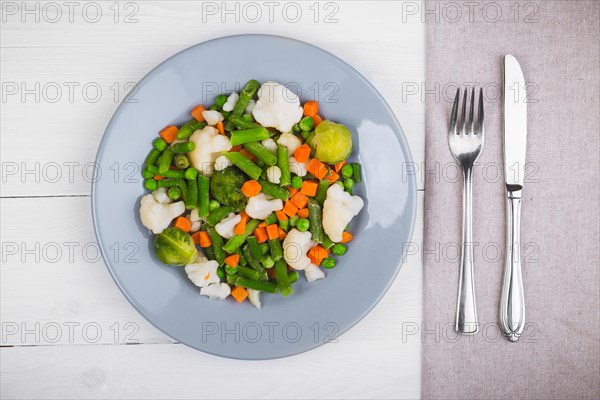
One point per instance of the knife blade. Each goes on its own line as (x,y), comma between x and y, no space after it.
(512,303)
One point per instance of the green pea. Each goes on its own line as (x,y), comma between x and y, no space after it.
(348,183)
(248,117)
(296,182)
(328,263)
(150,184)
(221,100)
(174,192)
(159,144)
(340,184)
(347,171)
(214,107)
(305,134)
(306,124)
(302,225)
(296,128)
(181,161)
(221,273)
(338,249)
(226,114)
(294,221)
(268,262)
(230,270)
(213,205)
(349,191)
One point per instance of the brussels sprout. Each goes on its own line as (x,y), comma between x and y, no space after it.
(331,142)
(226,187)
(175,247)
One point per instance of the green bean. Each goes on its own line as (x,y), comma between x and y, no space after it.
(349,191)
(252,262)
(262,153)
(203,190)
(276,249)
(293,275)
(189,127)
(243,262)
(217,244)
(305,135)
(191,173)
(170,173)
(248,117)
(174,192)
(184,147)
(249,273)
(273,190)
(322,190)
(150,184)
(315,218)
(293,220)
(209,253)
(306,124)
(283,280)
(167,183)
(221,100)
(242,123)
(246,95)
(238,240)
(267,287)
(268,262)
(192,194)
(271,219)
(283,162)
(164,161)
(327,243)
(231,278)
(182,183)
(284,224)
(264,249)
(181,161)
(147,174)
(217,215)
(296,128)
(214,107)
(247,166)
(249,135)
(356,173)
(213,205)
(151,158)
(159,144)
(228,126)
(221,272)
(254,248)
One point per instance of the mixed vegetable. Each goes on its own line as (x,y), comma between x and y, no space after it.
(261,184)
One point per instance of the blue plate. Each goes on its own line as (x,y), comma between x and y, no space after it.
(317,312)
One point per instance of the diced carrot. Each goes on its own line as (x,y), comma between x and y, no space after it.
(158,177)
(197,112)
(338,166)
(183,223)
(169,134)
(262,225)
(261,235)
(201,238)
(240,227)
(311,108)
(281,215)
(317,168)
(317,120)
(247,154)
(272,232)
(346,237)
(333,176)
(251,188)
(232,260)
(290,209)
(309,188)
(317,254)
(303,213)
(282,234)
(220,127)
(292,191)
(239,293)
(300,200)
(302,153)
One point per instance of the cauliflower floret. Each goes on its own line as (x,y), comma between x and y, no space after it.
(230,103)
(254,297)
(161,196)
(216,291)
(295,247)
(260,207)
(212,117)
(203,272)
(291,141)
(225,227)
(300,169)
(194,216)
(339,208)
(209,145)
(221,163)
(312,273)
(157,216)
(270,145)
(195,226)
(277,107)
(274,174)
(250,107)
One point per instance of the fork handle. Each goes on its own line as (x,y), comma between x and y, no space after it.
(466,309)
(512,303)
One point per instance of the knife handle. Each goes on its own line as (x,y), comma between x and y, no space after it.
(512,303)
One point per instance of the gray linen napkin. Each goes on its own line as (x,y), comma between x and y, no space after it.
(557,45)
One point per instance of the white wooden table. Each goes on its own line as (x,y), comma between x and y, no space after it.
(67,331)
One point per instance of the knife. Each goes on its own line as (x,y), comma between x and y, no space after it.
(512,303)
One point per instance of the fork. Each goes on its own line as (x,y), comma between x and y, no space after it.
(466,142)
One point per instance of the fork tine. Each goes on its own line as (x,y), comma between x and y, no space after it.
(480,128)
(463,118)
(471,109)
(454,112)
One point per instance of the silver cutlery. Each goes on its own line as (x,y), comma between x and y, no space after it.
(465,140)
(512,303)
